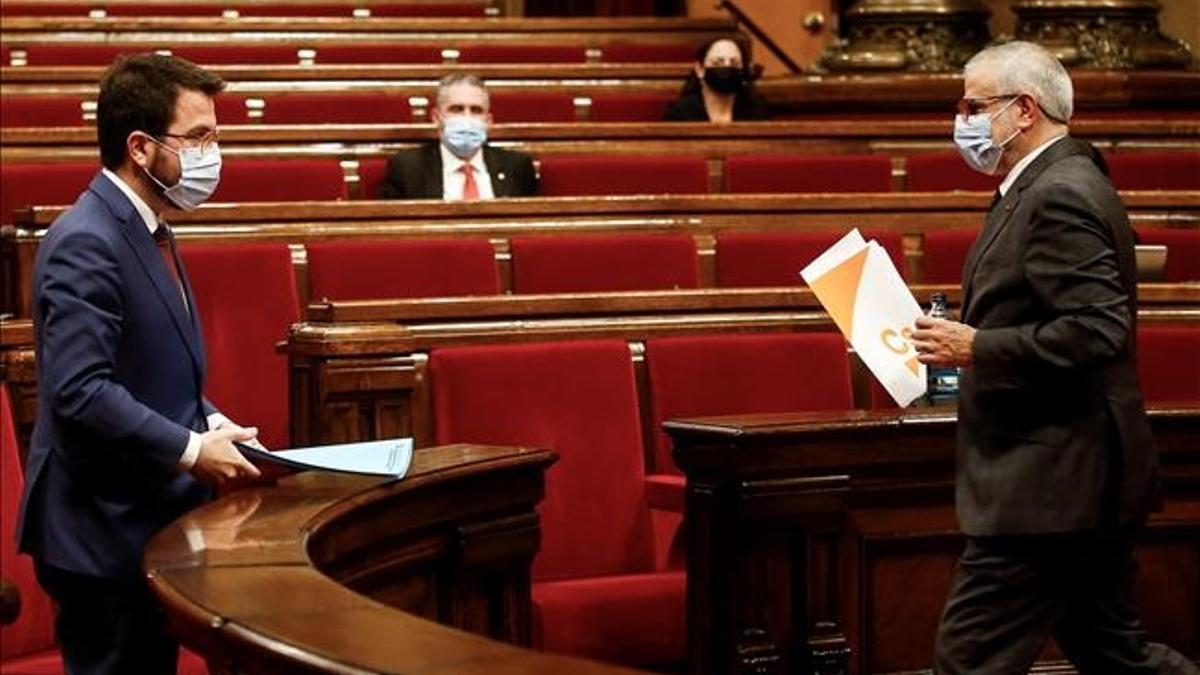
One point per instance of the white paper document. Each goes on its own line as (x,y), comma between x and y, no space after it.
(377,458)
(869,302)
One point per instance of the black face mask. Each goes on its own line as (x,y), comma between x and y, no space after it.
(724,79)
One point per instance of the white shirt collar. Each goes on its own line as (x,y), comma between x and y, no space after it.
(451,162)
(148,216)
(1025,162)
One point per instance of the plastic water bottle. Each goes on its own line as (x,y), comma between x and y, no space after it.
(942,387)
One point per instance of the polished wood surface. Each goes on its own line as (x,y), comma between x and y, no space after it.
(827,542)
(324,573)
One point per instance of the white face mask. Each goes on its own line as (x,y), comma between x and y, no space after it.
(973,136)
(199,175)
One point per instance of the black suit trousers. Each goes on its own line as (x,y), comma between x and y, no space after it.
(1010,594)
(109,626)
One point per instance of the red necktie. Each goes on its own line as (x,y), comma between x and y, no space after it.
(166,247)
(470,187)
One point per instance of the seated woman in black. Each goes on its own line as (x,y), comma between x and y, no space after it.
(719,88)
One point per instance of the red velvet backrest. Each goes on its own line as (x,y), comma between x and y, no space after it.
(1183,251)
(629,107)
(578,399)
(371,173)
(429,9)
(596,263)
(706,375)
(943,254)
(246,299)
(623,174)
(231,109)
(297,9)
(55,184)
(532,106)
(33,631)
(348,108)
(808,173)
(280,180)
(360,270)
(755,259)
(380,52)
(234,54)
(647,52)
(486,53)
(145,9)
(76,54)
(1177,170)
(42,9)
(944,172)
(1169,363)
(41,111)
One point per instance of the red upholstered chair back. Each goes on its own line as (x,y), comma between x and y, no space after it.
(631,107)
(648,52)
(371,173)
(431,9)
(56,184)
(41,111)
(246,299)
(234,54)
(378,52)
(733,374)
(944,172)
(1169,363)
(580,264)
(1154,170)
(280,180)
(532,106)
(33,631)
(943,254)
(350,108)
(751,259)
(360,270)
(485,53)
(808,173)
(623,174)
(579,399)
(1183,251)
(74,55)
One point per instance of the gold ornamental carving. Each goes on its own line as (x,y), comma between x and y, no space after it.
(908,35)
(1118,34)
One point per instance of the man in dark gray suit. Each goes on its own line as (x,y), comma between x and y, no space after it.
(461,165)
(1056,465)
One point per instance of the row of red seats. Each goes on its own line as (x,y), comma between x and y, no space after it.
(397,52)
(358,108)
(233,8)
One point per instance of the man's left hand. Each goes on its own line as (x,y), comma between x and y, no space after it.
(943,343)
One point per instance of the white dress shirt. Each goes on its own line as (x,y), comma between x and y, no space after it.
(453,179)
(1025,161)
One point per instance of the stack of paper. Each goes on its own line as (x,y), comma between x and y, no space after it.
(859,286)
(377,458)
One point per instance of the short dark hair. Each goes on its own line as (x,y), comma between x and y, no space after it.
(138,93)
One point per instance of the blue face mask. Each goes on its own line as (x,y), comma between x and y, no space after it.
(973,136)
(463,135)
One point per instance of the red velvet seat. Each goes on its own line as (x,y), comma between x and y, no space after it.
(280,180)
(1177,170)
(581,264)
(347,108)
(629,107)
(429,9)
(753,259)
(235,54)
(648,52)
(623,174)
(1169,363)
(1183,251)
(596,591)
(378,52)
(486,53)
(371,173)
(246,299)
(41,111)
(532,106)
(48,54)
(42,9)
(808,173)
(56,184)
(158,9)
(944,253)
(360,270)
(945,172)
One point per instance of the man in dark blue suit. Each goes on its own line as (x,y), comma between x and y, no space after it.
(124,440)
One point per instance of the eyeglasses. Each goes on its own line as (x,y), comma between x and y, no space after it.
(200,139)
(976,105)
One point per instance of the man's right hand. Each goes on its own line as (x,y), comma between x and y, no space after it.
(219,460)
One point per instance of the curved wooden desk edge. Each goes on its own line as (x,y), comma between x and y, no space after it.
(321,573)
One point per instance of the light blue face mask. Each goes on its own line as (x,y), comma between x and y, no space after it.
(199,175)
(463,135)
(973,136)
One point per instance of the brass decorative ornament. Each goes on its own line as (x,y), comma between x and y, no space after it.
(1101,33)
(908,35)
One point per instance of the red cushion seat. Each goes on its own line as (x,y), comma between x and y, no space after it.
(629,107)
(280,180)
(1169,362)
(1177,170)
(945,172)
(756,259)
(366,269)
(944,252)
(623,174)
(532,106)
(1183,251)
(330,108)
(577,264)
(808,173)
(42,184)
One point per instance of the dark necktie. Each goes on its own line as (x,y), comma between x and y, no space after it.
(166,247)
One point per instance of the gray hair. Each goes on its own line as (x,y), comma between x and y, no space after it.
(1027,68)
(454,79)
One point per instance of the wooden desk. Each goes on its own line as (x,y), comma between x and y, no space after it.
(333,574)
(827,542)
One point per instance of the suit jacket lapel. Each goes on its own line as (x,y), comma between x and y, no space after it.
(501,185)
